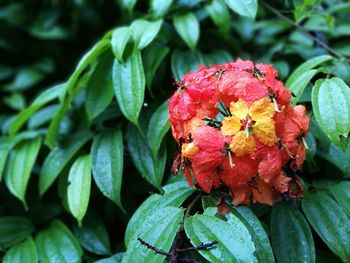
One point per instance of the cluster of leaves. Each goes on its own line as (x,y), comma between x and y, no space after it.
(80,158)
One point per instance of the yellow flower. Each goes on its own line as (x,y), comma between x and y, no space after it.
(249,122)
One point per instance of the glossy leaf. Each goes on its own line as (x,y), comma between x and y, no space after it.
(174,195)
(129,86)
(220,15)
(22,252)
(187,26)
(159,229)
(120,38)
(57,244)
(5,147)
(79,184)
(183,62)
(158,126)
(329,221)
(99,90)
(331,105)
(246,8)
(144,32)
(14,229)
(291,235)
(58,159)
(234,240)
(341,194)
(151,169)
(107,163)
(93,235)
(19,167)
(160,7)
(337,156)
(117,258)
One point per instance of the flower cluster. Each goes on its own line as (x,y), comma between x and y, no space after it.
(236,127)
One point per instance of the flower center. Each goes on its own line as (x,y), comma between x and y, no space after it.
(247,125)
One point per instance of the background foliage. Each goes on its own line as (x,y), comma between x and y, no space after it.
(84,128)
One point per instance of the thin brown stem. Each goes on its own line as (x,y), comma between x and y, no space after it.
(190,206)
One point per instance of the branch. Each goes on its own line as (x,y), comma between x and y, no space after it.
(196,248)
(156,250)
(307,33)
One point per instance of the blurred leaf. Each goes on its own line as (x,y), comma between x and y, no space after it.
(19,167)
(120,38)
(99,93)
(57,244)
(246,8)
(15,101)
(5,147)
(291,235)
(42,116)
(331,105)
(129,86)
(25,78)
(282,68)
(183,62)
(144,31)
(174,195)
(158,126)
(127,4)
(159,229)
(58,159)
(23,252)
(79,184)
(93,235)
(220,15)
(160,7)
(234,240)
(153,55)
(329,221)
(107,164)
(117,258)
(217,57)
(187,26)
(14,229)
(338,157)
(152,169)
(341,194)
(44,98)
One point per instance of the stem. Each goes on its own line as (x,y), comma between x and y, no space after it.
(307,33)
(189,208)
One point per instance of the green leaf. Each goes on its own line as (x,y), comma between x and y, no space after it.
(5,147)
(331,105)
(217,57)
(120,38)
(44,98)
(79,184)
(23,252)
(129,86)
(14,229)
(338,157)
(341,194)
(158,127)
(259,237)
(246,8)
(183,62)
(57,244)
(152,169)
(42,116)
(174,195)
(19,167)
(58,158)
(72,89)
(329,221)
(153,55)
(100,93)
(291,235)
(160,7)
(144,31)
(127,4)
(117,258)
(93,235)
(234,240)
(16,101)
(306,66)
(187,26)
(159,229)
(107,164)
(220,15)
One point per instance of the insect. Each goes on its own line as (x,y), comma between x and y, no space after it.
(219,72)
(257,73)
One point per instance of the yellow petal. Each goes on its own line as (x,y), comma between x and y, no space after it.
(242,145)
(262,109)
(239,109)
(189,150)
(230,126)
(264,131)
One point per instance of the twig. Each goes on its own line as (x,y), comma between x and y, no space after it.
(307,33)
(199,247)
(189,208)
(156,250)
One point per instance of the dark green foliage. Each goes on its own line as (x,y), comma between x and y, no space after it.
(85,147)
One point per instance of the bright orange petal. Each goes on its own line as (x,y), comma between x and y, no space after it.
(264,131)
(262,109)
(230,125)
(239,109)
(242,145)
(189,150)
